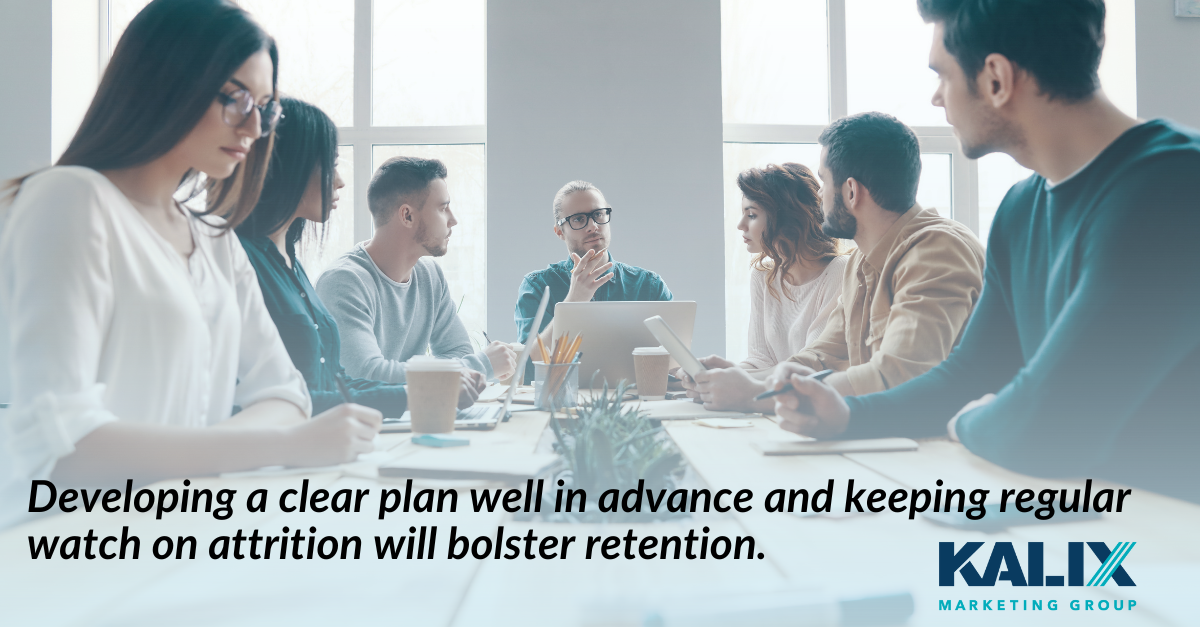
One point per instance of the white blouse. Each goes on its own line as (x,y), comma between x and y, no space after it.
(781,326)
(101,319)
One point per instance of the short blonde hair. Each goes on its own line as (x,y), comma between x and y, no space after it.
(571,188)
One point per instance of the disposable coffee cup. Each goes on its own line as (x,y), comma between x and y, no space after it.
(650,365)
(433,388)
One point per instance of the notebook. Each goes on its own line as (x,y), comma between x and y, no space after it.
(835,447)
(686,410)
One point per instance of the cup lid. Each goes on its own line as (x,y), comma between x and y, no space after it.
(651,350)
(427,363)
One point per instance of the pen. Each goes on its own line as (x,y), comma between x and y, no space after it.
(341,383)
(816,376)
(489,340)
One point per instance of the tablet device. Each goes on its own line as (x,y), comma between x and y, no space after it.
(518,374)
(682,354)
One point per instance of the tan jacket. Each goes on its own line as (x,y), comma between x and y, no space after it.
(903,307)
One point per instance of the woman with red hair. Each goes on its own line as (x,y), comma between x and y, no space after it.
(795,282)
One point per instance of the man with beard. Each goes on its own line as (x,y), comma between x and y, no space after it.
(581,221)
(389,298)
(910,286)
(1082,357)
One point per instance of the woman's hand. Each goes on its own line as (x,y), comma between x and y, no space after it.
(730,389)
(333,437)
(710,362)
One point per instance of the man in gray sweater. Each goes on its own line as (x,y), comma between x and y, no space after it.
(389,299)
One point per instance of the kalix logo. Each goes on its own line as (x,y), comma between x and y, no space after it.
(1003,555)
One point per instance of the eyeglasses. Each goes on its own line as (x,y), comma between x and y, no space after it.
(580,220)
(236,107)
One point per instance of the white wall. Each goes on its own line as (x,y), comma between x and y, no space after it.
(75,69)
(1168,63)
(625,94)
(25,28)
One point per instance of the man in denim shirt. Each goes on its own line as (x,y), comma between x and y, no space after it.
(581,220)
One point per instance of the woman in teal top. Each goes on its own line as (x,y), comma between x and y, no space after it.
(301,186)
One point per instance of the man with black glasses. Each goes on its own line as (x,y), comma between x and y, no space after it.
(581,220)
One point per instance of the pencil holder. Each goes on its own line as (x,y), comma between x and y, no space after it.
(555,384)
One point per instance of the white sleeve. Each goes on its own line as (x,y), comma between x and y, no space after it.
(56,301)
(265,370)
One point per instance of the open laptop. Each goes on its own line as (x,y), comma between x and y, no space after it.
(483,416)
(611,330)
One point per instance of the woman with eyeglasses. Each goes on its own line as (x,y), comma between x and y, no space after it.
(130,327)
(795,282)
(301,189)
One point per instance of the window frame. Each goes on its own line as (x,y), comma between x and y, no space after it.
(964,172)
(362,136)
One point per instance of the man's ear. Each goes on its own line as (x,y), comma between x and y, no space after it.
(559,232)
(851,193)
(855,195)
(407,215)
(998,80)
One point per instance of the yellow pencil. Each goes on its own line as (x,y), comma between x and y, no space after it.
(567,358)
(570,356)
(562,348)
(542,347)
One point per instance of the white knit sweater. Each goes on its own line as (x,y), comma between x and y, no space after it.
(781,327)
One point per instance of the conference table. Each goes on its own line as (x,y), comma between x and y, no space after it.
(822,557)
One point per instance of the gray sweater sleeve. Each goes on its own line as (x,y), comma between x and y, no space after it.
(449,338)
(352,302)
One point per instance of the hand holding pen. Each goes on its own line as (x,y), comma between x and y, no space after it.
(816,376)
(805,404)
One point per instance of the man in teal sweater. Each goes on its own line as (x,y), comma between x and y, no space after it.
(1082,357)
(581,221)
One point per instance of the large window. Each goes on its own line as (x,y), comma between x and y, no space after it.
(398,77)
(791,66)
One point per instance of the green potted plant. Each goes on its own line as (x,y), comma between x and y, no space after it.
(609,445)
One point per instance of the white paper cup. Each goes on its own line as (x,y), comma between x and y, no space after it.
(433,388)
(650,365)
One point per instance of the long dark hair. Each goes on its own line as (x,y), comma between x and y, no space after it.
(790,196)
(164,74)
(305,141)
